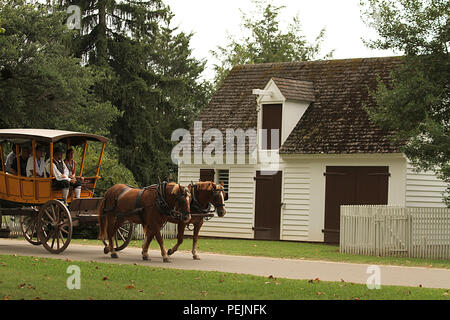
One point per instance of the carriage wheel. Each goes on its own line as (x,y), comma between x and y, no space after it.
(54,226)
(123,236)
(28,225)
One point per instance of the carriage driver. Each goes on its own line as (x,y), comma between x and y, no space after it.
(61,173)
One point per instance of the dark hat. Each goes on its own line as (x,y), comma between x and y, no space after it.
(58,149)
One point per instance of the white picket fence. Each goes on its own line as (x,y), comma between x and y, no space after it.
(168,232)
(395,231)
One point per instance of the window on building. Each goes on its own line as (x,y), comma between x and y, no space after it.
(271,123)
(223,175)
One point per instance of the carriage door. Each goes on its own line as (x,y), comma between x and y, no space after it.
(267,206)
(351,186)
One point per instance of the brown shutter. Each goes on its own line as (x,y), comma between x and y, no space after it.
(271,119)
(207,175)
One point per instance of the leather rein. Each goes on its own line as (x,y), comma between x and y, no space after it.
(161,202)
(197,207)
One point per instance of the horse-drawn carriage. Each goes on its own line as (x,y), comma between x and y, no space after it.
(45,217)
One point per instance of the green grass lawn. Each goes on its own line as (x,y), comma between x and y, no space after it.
(38,278)
(284,249)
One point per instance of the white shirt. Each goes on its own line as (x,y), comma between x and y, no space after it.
(9,161)
(56,173)
(40,167)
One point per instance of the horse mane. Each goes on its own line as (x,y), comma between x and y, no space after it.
(175,188)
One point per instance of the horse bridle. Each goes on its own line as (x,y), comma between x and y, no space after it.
(164,206)
(196,206)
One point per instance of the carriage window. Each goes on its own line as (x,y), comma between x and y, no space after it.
(223,175)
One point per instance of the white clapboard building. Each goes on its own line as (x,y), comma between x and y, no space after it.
(330,153)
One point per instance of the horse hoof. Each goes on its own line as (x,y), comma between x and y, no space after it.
(106,250)
(166,260)
(114,256)
(196,257)
(170,252)
(145,258)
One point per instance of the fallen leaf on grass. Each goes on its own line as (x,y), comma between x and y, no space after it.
(130,287)
(6,298)
(204,293)
(445,294)
(105,278)
(37,298)
(319,293)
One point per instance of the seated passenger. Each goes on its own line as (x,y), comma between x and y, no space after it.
(9,160)
(40,164)
(71,165)
(61,174)
(23,162)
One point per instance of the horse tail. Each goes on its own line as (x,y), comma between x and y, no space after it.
(102,220)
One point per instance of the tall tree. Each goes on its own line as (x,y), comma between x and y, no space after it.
(266,41)
(416,103)
(153,81)
(41,84)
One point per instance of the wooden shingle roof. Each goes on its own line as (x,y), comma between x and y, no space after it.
(335,122)
(295,89)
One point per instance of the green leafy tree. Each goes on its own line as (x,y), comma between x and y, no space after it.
(416,103)
(153,80)
(41,84)
(266,42)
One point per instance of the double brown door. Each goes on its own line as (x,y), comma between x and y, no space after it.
(351,186)
(267,206)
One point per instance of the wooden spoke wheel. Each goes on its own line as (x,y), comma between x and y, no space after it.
(123,236)
(28,225)
(54,226)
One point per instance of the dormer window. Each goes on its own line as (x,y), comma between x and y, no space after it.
(282,103)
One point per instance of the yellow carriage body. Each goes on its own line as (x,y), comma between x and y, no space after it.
(36,190)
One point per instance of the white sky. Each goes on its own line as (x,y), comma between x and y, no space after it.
(212,21)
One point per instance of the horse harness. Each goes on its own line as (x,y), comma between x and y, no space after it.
(161,202)
(197,207)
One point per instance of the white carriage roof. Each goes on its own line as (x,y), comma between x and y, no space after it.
(48,135)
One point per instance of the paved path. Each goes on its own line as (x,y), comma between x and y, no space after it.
(279,268)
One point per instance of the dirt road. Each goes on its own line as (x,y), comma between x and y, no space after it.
(280,268)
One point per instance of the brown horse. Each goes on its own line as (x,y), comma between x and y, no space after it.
(151,207)
(203,195)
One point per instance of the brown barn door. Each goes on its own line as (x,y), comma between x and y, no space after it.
(351,186)
(268,206)
(207,175)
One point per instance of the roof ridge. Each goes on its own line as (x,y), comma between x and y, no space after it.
(255,65)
